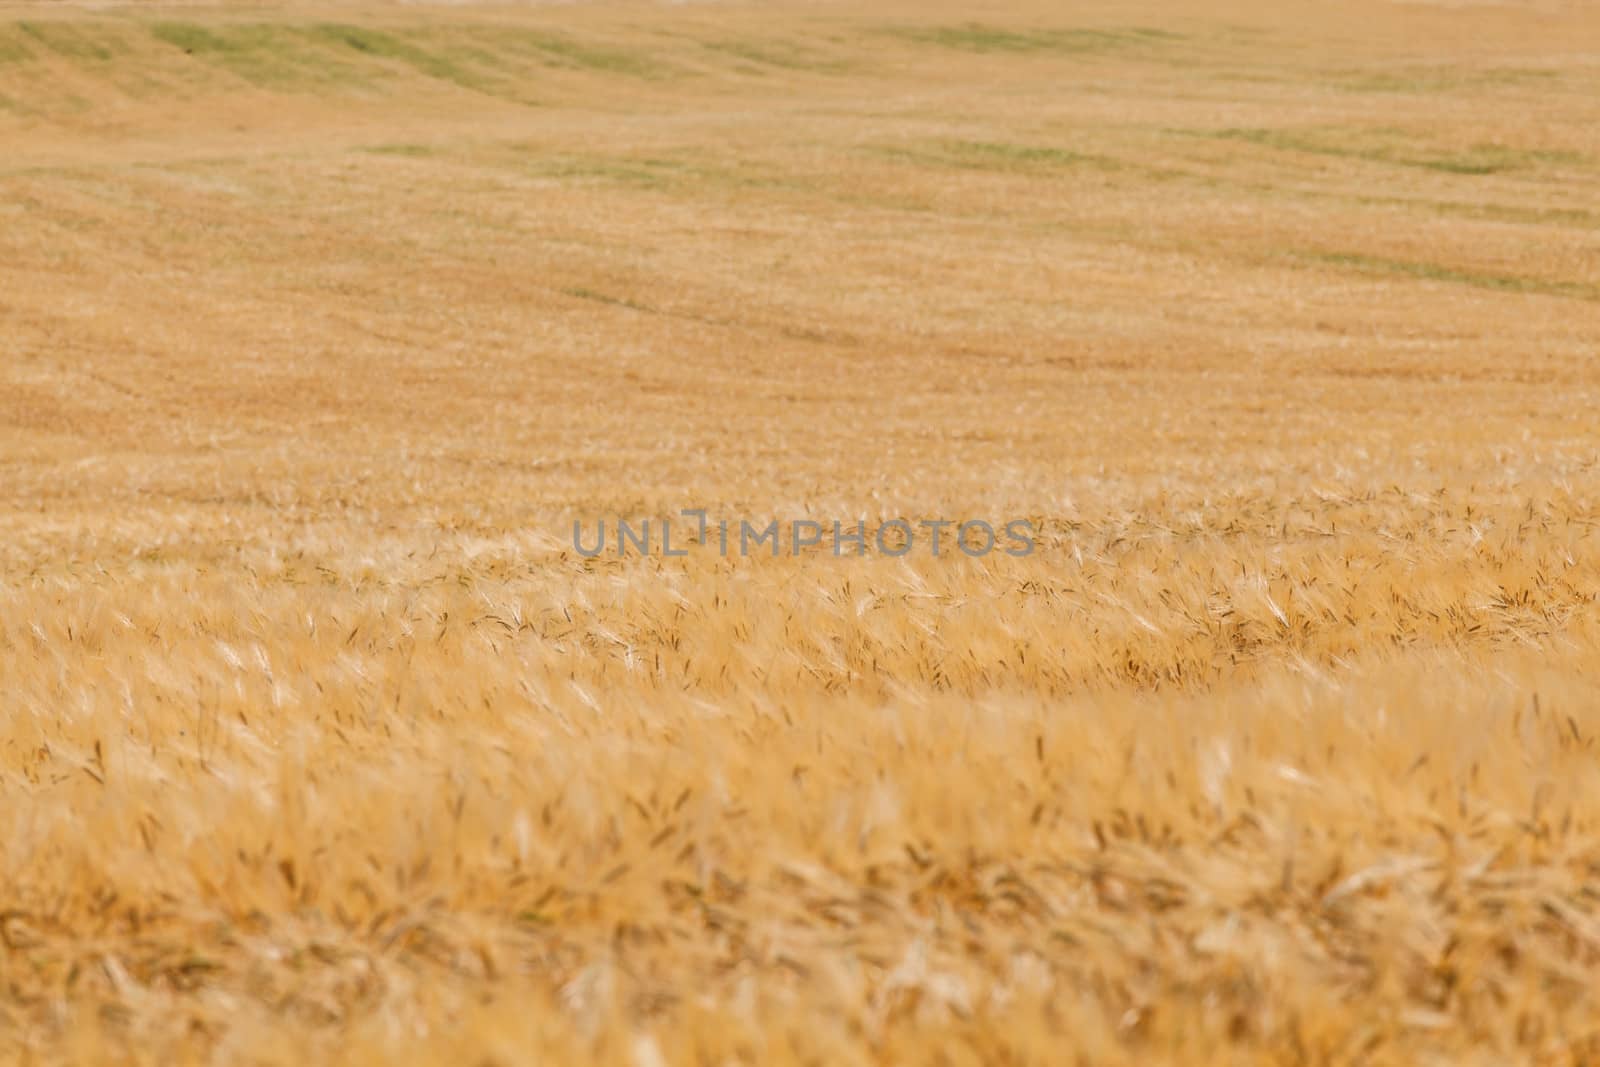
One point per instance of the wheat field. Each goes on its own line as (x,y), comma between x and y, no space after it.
(321,328)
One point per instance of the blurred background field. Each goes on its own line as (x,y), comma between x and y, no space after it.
(319,327)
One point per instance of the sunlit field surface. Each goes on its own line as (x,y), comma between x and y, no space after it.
(320,327)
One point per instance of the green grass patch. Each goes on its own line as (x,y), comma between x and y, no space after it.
(379,44)
(292,56)
(489,60)
(311,56)
(409,151)
(782,55)
(192,38)
(977,37)
(1486,211)
(1396,148)
(643,173)
(13,47)
(564,52)
(1421,80)
(74,40)
(997,156)
(1435,272)
(604,298)
(267,56)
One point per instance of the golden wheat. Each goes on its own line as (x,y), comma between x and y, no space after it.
(321,327)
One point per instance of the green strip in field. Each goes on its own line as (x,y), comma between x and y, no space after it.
(977,37)
(435,63)
(580,55)
(603,298)
(1395,147)
(75,40)
(409,151)
(1514,213)
(14,45)
(1436,79)
(265,55)
(782,55)
(997,156)
(496,61)
(1435,272)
